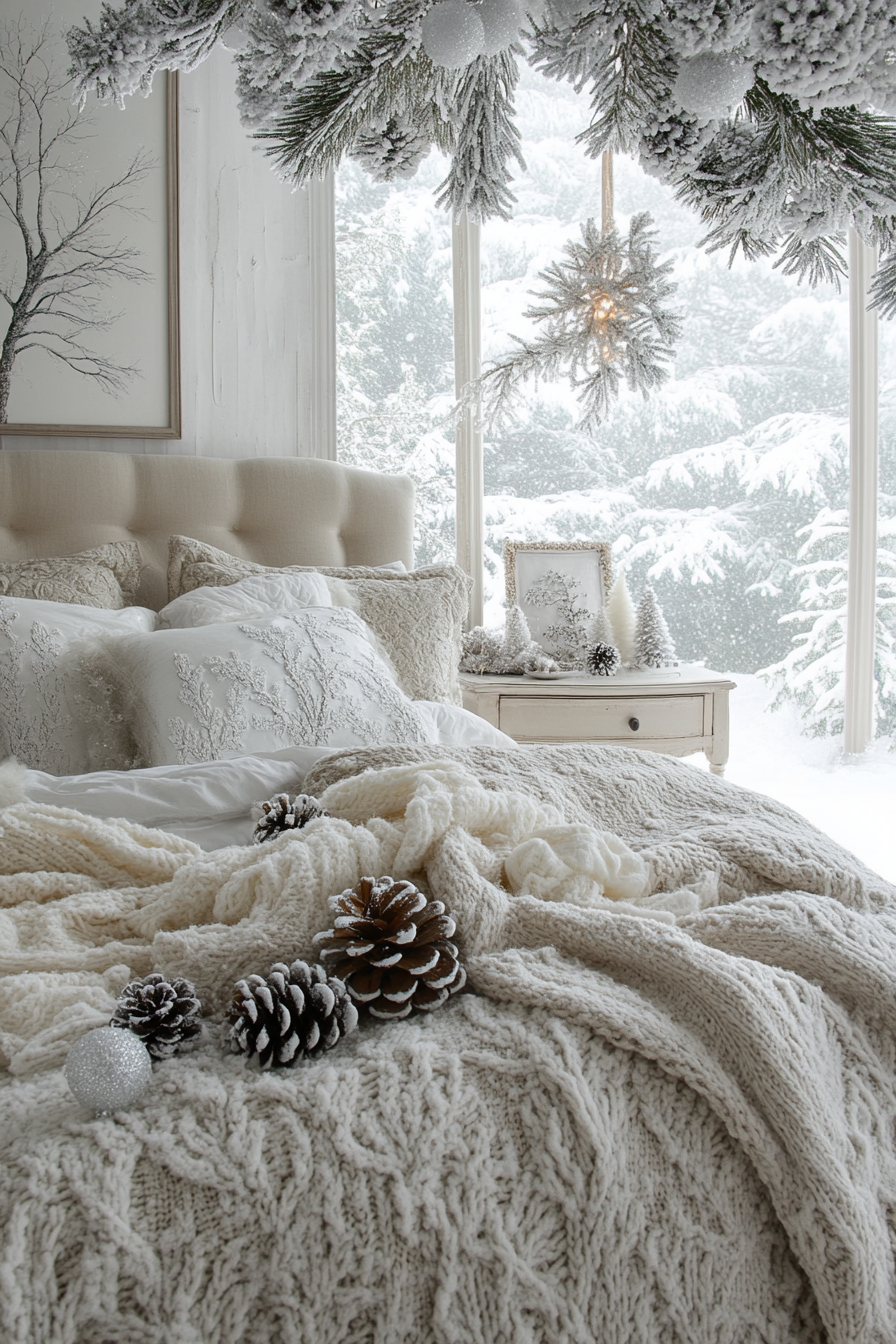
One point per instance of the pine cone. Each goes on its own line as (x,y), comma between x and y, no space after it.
(286,814)
(390,946)
(161,1012)
(299,1011)
(602,660)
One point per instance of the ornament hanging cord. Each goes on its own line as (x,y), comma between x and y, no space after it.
(606,190)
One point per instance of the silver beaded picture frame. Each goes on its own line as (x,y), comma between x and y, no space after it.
(584,567)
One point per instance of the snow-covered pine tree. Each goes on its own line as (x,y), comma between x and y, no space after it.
(813,673)
(621,611)
(653,643)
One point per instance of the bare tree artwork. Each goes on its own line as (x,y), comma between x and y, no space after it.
(67,258)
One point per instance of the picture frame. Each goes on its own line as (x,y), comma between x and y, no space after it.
(585,571)
(107,363)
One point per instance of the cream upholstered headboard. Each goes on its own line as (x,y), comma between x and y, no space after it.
(275,510)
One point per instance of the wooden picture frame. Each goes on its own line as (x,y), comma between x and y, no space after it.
(132,307)
(587,568)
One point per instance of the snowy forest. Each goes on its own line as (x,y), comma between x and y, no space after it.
(727,488)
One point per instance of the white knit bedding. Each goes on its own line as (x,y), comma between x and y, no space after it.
(665,1116)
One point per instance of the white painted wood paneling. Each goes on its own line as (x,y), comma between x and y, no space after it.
(246,316)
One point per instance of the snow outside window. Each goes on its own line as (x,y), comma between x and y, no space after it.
(395,341)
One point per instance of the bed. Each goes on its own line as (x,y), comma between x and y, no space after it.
(663,1107)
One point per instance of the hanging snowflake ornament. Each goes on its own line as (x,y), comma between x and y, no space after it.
(604,318)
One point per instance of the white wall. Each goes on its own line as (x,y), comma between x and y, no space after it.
(246,311)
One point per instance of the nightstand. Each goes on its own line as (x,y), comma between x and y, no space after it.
(678,710)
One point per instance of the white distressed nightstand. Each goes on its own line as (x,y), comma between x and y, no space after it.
(678,710)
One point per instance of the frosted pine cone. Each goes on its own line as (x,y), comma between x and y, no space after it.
(602,660)
(162,1013)
(298,1011)
(286,814)
(390,946)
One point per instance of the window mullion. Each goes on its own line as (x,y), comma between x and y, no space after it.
(465,236)
(862,581)
(322,281)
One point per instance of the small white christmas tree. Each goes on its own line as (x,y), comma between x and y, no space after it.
(621,611)
(653,643)
(601,631)
(502,653)
(517,636)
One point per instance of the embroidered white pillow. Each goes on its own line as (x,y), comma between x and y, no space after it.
(312,678)
(257,595)
(56,713)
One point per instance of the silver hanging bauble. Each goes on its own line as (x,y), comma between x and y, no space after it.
(452,34)
(713,83)
(501,22)
(108,1069)
(235,39)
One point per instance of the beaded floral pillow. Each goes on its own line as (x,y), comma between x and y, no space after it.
(105,576)
(57,707)
(237,689)
(416,617)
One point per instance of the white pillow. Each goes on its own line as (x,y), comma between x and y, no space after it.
(451,726)
(210,804)
(309,679)
(55,709)
(257,595)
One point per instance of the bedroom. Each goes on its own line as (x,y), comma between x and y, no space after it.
(255,384)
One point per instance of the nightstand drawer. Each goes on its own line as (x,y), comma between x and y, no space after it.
(558,718)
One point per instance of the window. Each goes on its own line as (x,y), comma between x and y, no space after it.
(394,341)
(728,489)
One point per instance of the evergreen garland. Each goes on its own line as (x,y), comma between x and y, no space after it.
(809,150)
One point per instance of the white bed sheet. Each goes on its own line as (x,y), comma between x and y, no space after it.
(211,803)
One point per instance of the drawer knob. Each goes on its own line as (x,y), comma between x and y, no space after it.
(634,724)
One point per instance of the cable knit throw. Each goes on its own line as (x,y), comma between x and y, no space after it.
(666,1112)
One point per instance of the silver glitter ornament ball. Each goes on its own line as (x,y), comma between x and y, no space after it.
(108,1069)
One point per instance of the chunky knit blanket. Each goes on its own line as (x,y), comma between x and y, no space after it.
(665,1113)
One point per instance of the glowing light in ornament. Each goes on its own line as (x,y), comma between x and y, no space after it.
(501,22)
(453,34)
(108,1069)
(710,84)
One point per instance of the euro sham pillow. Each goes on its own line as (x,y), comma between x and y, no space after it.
(312,678)
(417,617)
(257,595)
(105,576)
(58,713)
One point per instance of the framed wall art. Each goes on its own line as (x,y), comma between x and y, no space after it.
(561,587)
(88,243)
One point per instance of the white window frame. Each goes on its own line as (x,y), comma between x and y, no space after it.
(466,275)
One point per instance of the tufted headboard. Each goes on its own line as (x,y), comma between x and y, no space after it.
(274,510)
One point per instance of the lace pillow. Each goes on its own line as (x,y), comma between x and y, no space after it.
(106,576)
(417,617)
(56,708)
(309,679)
(257,595)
